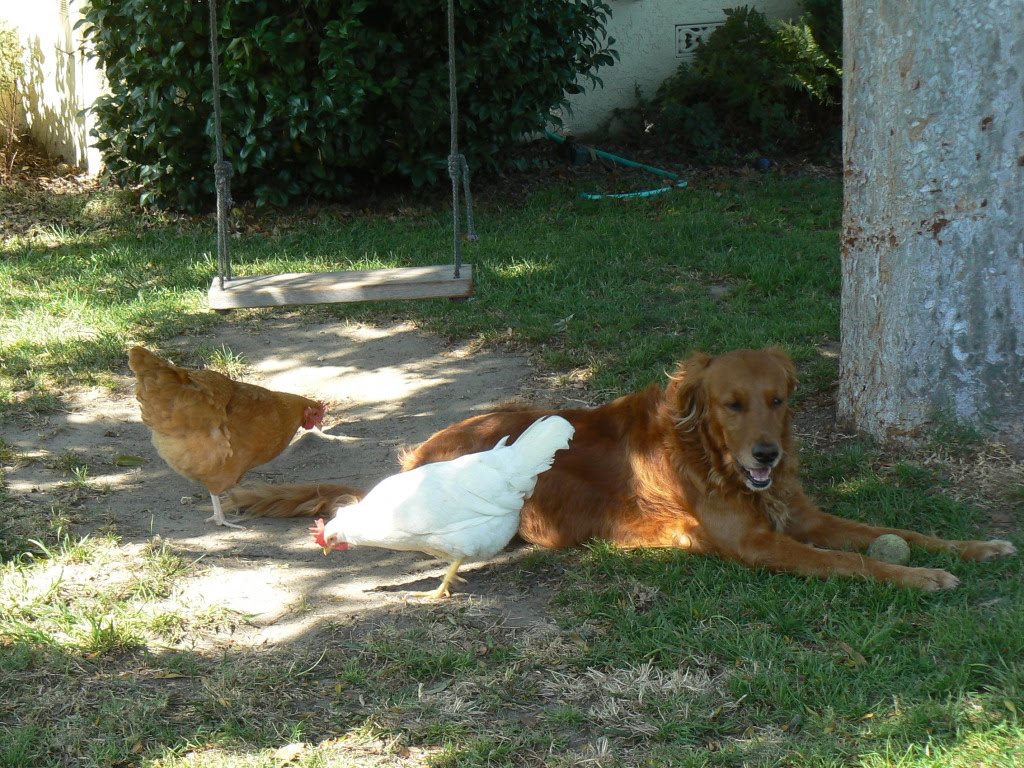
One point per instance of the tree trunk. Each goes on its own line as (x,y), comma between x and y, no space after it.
(933,222)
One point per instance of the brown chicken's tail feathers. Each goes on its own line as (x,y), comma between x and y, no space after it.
(290,499)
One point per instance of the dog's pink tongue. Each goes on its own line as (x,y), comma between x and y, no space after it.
(761,474)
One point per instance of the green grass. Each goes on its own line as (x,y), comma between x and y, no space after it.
(550,270)
(649,658)
(855,663)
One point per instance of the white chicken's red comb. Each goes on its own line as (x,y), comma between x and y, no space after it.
(317,529)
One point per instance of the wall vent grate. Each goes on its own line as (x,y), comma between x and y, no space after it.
(688,36)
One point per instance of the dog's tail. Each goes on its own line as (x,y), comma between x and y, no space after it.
(290,499)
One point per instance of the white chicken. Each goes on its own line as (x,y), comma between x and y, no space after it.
(464,509)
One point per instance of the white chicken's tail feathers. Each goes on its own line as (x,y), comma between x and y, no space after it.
(534,450)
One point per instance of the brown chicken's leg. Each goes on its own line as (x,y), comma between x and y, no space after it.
(443,590)
(218,515)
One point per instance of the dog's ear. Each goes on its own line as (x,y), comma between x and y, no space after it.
(783,359)
(685,392)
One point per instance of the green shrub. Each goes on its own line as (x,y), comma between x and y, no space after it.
(321,95)
(825,18)
(12,70)
(753,86)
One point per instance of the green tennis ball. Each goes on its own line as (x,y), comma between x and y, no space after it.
(890,548)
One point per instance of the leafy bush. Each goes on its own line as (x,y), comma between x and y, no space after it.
(320,94)
(12,69)
(753,85)
(825,18)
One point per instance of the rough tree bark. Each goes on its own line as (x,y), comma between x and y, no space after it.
(933,223)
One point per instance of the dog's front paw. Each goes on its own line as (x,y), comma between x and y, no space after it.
(986,550)
(930,579)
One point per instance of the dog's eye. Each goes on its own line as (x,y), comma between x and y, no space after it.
(735,405)
(777,401)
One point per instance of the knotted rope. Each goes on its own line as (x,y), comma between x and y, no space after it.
(458,168)
(221,168)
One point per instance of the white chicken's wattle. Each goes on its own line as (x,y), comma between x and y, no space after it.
(464,509)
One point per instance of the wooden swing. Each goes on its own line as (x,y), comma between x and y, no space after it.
(453,281)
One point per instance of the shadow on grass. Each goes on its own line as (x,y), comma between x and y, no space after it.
(795,672)
(782,670)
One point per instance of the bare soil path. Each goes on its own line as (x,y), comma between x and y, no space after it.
(385,388)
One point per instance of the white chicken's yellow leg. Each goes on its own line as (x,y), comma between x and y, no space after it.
(218,515)
(442,591)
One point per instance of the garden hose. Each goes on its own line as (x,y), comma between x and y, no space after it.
(677,183)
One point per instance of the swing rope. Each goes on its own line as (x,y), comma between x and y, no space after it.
(221,168)
(458,168)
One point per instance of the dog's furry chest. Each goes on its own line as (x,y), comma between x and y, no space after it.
(775,509)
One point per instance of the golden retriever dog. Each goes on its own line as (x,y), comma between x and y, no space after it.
(707,465)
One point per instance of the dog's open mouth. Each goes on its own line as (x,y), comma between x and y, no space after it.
(757,479)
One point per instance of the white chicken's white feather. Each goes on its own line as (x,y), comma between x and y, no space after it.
(463,509)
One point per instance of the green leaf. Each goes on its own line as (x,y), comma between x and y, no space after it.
(127,460)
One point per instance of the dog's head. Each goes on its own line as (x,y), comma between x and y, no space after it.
(738,405)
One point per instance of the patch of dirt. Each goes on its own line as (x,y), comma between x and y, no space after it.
(33,168)
(386,388)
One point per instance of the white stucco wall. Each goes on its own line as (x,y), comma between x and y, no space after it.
(60,81)
(652,37)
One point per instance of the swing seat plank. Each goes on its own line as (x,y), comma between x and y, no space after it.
(434,282)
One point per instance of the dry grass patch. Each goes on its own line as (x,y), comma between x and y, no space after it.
(636,700)
(986,475)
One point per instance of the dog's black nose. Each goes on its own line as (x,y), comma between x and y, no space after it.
(766,453)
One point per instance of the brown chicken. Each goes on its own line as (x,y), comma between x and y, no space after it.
(212,429)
